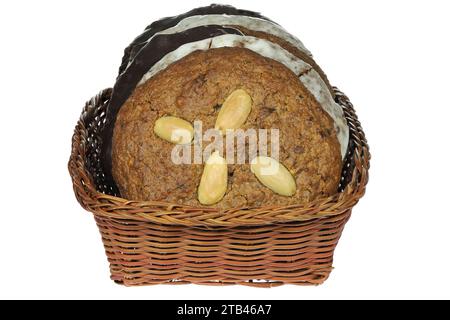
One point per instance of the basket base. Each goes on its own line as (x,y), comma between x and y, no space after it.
(298,253)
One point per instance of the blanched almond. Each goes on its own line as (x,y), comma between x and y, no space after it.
(273,175)
(213,183)
(174,130)
(235,111)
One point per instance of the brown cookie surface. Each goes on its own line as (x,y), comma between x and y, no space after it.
(194,88)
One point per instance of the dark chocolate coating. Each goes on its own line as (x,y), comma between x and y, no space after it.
(150,54)
(132,50)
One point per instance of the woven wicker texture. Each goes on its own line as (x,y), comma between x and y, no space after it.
(158,242)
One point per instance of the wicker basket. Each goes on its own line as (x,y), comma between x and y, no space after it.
(157,242)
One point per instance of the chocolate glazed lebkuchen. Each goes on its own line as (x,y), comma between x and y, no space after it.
(229,69)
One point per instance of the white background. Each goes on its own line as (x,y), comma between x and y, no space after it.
(391,57)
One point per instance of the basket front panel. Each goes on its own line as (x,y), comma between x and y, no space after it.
(143,253)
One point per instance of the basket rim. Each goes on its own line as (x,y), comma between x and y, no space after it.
(167,213)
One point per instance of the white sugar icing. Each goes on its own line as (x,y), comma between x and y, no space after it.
(307,75)
(314,83)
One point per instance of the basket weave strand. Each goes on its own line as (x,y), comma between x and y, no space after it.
(158,242)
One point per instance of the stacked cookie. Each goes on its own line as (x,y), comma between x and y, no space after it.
(186,67)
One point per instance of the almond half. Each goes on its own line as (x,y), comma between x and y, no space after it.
(273,175)
(234,112)
(213,183)
(174,130)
